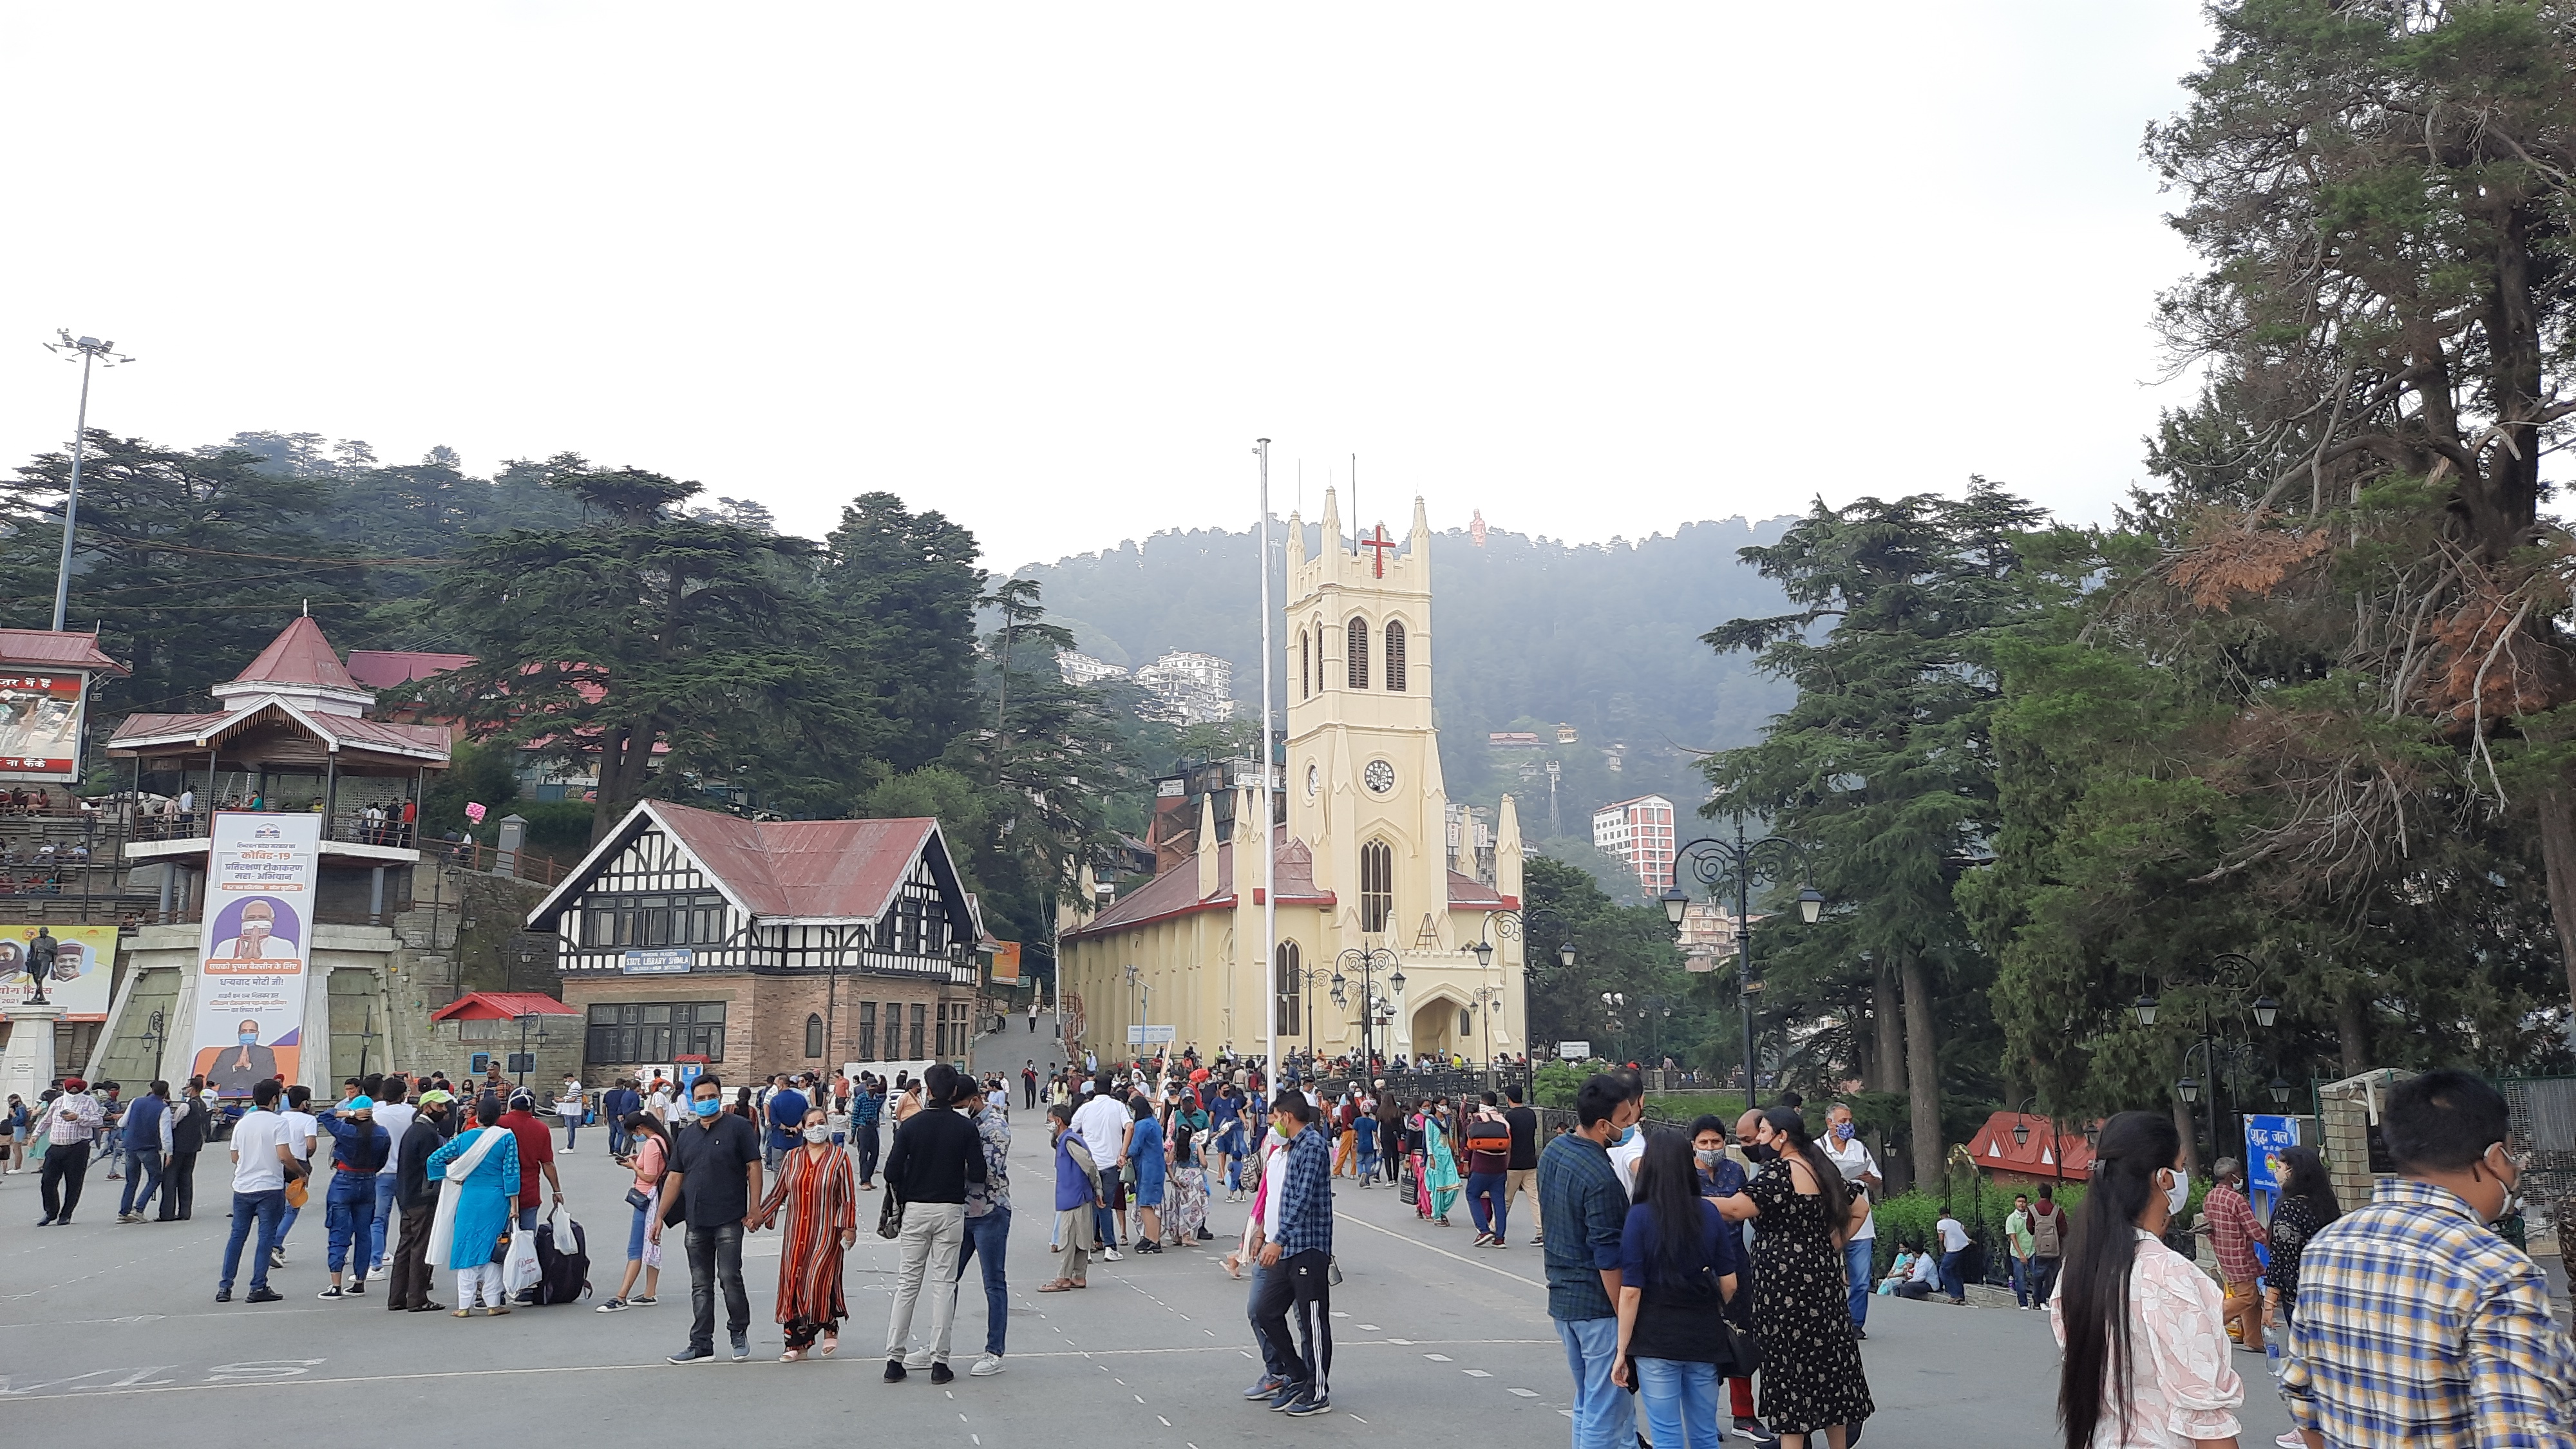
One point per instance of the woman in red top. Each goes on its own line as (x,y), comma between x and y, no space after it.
(821,1227)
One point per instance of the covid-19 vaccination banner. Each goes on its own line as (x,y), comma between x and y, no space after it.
(254,948)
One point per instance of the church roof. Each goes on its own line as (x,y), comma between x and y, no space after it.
(1176,892)
(1466,890)
(298,655)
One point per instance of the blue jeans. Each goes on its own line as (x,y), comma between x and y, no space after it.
(143,1168)
(1602,1418)
(1950,1283)
(269,1209)
(1271,1364)
(989,1238)
(351,1218)
(635,1235)
(1856,1267)
(1487,1199)
(384,1214)
(2020,1271)
(617,1137)
(1681,1402)
(572,1129)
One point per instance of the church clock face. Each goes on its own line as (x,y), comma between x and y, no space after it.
(1379,777)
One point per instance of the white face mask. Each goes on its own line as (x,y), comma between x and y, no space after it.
(818,1133)
(2178,1196)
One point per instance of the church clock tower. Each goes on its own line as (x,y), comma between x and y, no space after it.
(1363,757)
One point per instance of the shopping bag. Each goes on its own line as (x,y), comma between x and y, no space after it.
(519,1272)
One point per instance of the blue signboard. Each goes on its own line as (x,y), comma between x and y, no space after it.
(2266,1138)
(689,1074)
(669,961)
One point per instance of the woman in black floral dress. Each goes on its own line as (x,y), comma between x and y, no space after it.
(1812,1381)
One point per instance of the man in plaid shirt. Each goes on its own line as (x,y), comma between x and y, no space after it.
(2229,1220)
(1297,1262)
(2415,1323)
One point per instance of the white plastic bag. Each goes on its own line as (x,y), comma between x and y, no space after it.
(519,1271)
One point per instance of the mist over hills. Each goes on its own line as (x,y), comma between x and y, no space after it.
(1527,634)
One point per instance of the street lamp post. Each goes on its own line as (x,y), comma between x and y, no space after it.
(1716,862)
(91,352)
(1367,963)
(2224,980)
(2056,1134)
(1510,925)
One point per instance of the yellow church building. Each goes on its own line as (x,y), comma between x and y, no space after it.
(1362,857)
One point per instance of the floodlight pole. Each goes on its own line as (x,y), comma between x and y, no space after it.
(91,350)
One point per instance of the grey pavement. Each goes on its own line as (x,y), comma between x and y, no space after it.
(1436,1343)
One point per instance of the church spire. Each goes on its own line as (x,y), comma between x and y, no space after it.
(1330,554)
(1419,543)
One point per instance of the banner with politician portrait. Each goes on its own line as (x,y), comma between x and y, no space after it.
(253,949)
(76,962)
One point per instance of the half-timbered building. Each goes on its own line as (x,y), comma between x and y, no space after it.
(765,945)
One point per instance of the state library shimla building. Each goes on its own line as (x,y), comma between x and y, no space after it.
(766,945)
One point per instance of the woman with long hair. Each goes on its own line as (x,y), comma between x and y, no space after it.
(2147,1356)
(1678,1261)
(2307,1203)
(649,1153)
(1440,1181)
(820,1195)
(1812,1381)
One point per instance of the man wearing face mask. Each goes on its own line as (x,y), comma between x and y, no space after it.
(1842,1144)
(2233,1231)
(714,1180)
(2426,1327)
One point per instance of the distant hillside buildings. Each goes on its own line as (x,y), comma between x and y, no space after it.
(1187,687)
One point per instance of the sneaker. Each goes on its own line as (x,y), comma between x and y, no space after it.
(1113,1255)
(2292,1440)
(1264,1387)
(1752,1429)
(357,1287)
(987,1366)
(332,1292)
(223,1295)
(1289,1393)
(693,1354)
(613,1305)
(642,1300)
(1482,1238)
(1309,1404)
(919,1358)
(941,1373)
(277,1257)
(265,1295)
(894,1371)
(741,1347)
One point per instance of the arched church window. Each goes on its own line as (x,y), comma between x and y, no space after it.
(1359,654)
(813,1035)
(1377,885)
(1304,675)
(1395,656)
(1290,986)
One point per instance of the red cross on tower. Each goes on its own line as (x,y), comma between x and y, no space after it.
(1382,544)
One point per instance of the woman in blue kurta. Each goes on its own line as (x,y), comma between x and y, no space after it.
(475,1204)
(1145,1162)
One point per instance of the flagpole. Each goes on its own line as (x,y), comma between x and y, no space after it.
(1269,855)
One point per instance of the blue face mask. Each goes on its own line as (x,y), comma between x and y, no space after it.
(1628,1136)
(250,1038)
(706,1106)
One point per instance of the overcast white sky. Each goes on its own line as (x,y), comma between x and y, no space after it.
(1595,270)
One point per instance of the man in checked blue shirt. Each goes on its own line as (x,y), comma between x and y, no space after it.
(2415,1324)
(1297,1263)
(1579,1190)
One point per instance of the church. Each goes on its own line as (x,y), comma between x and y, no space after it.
(1362,859)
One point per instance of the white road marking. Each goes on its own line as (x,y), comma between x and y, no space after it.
(1437,1357)
(1526,1393)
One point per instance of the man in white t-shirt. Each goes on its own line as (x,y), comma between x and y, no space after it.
(301,1128)
(1954,1244)
(1102,1120)
(260,1159)
(1850,1156)
(394,1115)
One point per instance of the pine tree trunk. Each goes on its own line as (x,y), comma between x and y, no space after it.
(1888,1029)
(2188,1124)
(1922,1070)
(2352,1031)
(2558,855)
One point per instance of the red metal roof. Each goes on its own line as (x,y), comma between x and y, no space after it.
(1175,891)
(830,869)
(298,655)
(385,668)
(502,1006)
(345,729)
(1995,1150)
(45,649)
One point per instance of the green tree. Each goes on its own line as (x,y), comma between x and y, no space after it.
(1621,950)
(189,562)
(663,649)
(1883,770)
(902,589)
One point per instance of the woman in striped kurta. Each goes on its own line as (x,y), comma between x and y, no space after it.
(821,1196)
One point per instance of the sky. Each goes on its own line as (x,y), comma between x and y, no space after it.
(1593,271)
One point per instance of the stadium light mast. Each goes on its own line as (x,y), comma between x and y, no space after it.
(91,352)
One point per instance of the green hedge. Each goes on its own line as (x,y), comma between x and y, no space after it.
(1911,1215)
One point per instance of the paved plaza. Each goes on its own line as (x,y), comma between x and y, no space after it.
(1436,1343)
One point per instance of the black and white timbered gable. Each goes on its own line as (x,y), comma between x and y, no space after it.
(678,890)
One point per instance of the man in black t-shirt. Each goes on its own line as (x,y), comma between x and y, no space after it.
(714,1178)
(1522,1175)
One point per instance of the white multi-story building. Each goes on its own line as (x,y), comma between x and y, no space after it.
(1080,669)
(1471,842)
(1190,688)
(1640,832)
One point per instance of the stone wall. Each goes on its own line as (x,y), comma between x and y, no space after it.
(765,1016)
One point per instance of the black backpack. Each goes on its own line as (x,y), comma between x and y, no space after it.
(563,1263)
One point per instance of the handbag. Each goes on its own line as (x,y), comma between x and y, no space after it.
(890,1216)
(638,1199)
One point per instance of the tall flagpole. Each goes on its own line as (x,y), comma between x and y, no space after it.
(1269,855)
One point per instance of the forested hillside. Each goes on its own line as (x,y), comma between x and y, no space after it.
(1528,633)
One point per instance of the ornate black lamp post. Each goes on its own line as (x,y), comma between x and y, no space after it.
(2222,985)
(1367,963)
(1716,862)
